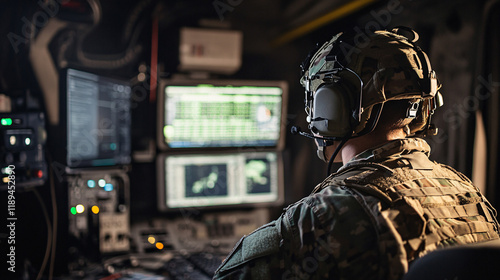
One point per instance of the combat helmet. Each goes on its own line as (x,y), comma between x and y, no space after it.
(347,81)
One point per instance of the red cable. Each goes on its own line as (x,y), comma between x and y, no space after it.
(154,61)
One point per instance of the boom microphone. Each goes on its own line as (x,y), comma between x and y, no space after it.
(323,140)
(297,130)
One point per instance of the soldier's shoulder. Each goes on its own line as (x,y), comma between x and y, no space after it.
(261,243)
(324,208)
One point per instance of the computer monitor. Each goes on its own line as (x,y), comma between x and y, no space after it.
(219,180)
(95,119)
(221,114)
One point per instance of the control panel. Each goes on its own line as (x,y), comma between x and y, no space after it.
(210,232)
(99,210)
(22,145)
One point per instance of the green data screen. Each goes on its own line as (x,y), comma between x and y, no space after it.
(222,116)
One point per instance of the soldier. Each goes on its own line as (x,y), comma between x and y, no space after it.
(369,105)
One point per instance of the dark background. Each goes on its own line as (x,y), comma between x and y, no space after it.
(461,38)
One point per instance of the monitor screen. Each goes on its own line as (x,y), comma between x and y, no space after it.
(221,114)
(214,180)
(96,111)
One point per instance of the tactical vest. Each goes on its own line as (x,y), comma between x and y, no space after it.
(424,206)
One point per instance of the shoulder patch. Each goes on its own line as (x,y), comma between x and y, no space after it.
(262,242)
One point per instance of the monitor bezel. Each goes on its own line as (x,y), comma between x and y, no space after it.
(162,188)
(163,83)
(63,129)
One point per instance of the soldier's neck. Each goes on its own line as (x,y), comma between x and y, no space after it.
(371,140)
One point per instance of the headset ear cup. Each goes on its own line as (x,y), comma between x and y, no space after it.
(332,111)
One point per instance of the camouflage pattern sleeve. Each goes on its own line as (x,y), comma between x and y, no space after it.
(328,235)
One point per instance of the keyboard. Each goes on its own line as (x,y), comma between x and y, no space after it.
(206,262)
(199,266)
(165,266)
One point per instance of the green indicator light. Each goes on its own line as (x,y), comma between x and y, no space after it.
(73,210)
(6,121)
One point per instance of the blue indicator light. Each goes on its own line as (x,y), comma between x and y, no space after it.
(91,183)
(108,187)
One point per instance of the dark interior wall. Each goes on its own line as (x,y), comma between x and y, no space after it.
(485,94)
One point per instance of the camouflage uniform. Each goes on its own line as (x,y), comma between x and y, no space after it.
(381,210)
